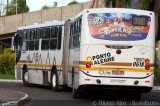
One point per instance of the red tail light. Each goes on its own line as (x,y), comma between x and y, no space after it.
(87,79)
(88,65)
(147,64)
(147,67)
(147,81)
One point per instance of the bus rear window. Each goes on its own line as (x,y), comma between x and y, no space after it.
(119,26)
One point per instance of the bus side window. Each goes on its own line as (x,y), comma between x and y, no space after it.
(54,38)
(37,37)
(76,34)
(59,37)
(45,38)
(27,39)
(31,41)
(71,33)
(24,47)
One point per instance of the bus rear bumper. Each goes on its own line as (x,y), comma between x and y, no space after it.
(115,88)
(115,84)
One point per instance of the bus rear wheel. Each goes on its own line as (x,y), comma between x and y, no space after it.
(75,93)
(26,77)
(54,81)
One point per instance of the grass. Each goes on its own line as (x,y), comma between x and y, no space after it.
(7,76)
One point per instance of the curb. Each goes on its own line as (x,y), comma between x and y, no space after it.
(23,100)
(18,102)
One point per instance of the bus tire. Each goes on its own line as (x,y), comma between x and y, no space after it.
(75,93)
(54,80)
(25,77)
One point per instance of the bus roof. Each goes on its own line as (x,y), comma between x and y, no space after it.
(45,24)
(122,10)
(95,10)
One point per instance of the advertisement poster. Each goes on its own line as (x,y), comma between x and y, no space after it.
(119,26)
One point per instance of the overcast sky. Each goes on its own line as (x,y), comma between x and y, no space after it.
(35,5)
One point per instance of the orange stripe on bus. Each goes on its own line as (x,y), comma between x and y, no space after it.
(93,68)
(24,61)
(117,64)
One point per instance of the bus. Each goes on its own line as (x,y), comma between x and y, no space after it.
(102,48)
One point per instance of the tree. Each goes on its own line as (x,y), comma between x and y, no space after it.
(45,7)
(48,7)
(98,4)
(7,61)
(73,2)
(21,7)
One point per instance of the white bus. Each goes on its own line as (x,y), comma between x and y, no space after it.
(101,48)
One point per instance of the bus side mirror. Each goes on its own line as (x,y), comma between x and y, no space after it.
(12,44)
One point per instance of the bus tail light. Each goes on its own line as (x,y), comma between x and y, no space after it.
(88,65)
(87,79)
(147,67)
(89,62)
(147,81)
(147,64)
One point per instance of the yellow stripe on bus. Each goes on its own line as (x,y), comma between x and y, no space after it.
(93,68)
(40,65)
(113,68)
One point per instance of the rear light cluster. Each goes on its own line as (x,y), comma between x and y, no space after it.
(147,64)
(89,62)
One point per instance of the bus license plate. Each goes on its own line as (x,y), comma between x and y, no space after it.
(117,72)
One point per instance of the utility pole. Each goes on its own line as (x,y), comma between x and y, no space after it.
(1,8)
(16,7)
(7,5)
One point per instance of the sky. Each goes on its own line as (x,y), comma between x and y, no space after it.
(35,5)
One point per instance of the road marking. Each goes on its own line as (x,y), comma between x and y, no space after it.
(4,80)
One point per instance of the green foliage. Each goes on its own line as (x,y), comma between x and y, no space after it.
(48,7)
(21,7)
(7,76)
(45,7)
(73,2)
(7,62)
(107,3)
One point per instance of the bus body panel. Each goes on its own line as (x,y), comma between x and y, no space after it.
(115,81)
(130,64)
(40,62)
(130,60)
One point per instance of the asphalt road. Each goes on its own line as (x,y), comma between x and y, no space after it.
(44,96)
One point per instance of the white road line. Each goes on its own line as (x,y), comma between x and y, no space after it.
(4,80)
